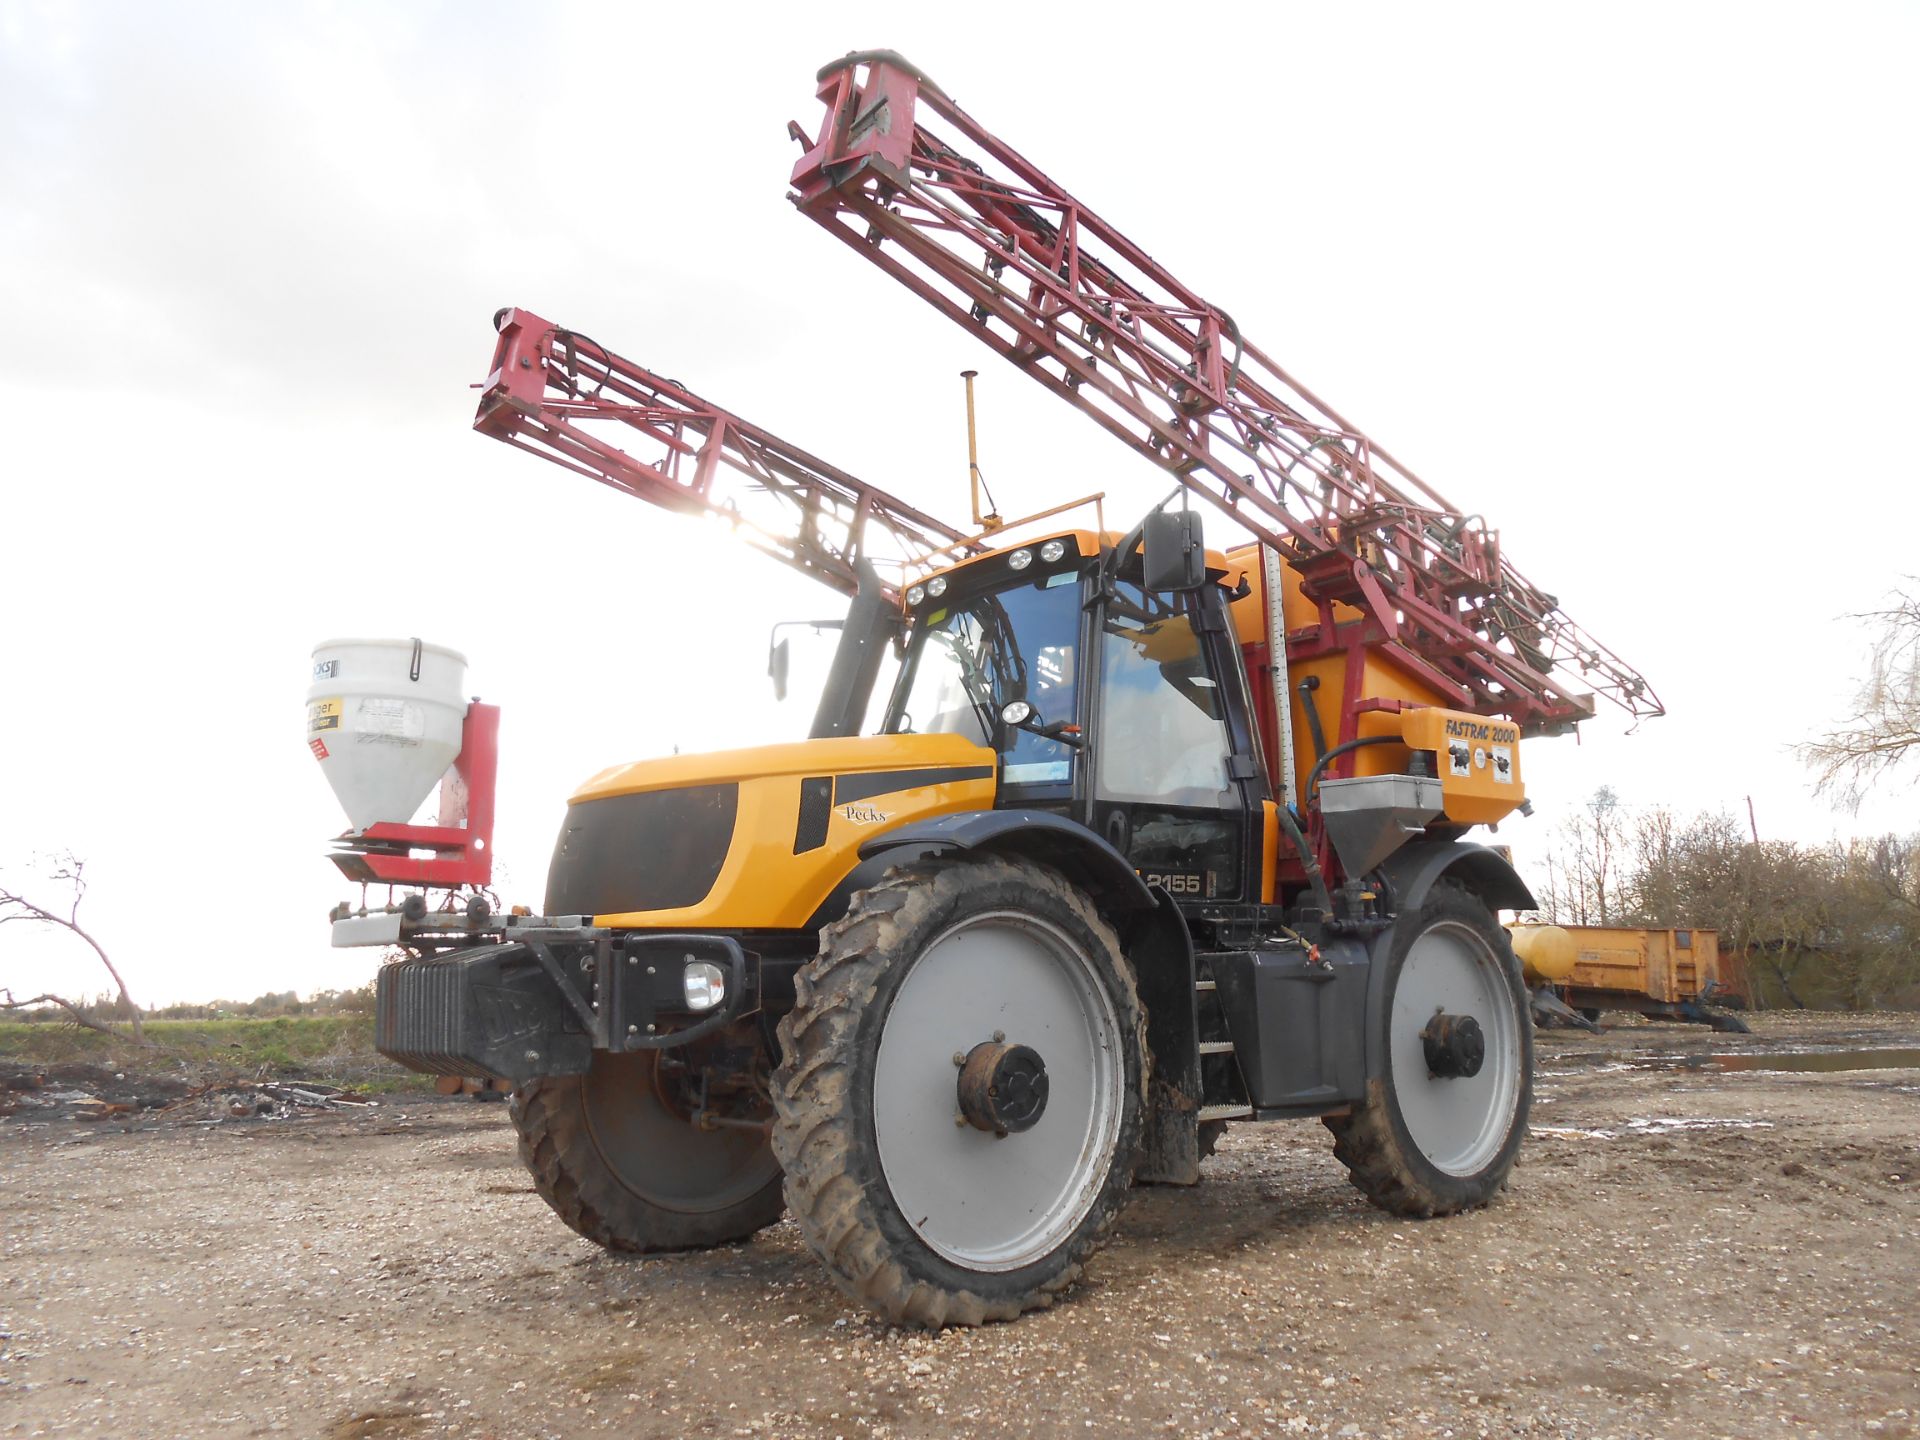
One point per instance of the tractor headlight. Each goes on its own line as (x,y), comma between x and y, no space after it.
(704,984)
(916,594)
(1053,550)
(1020,559)
(937,586)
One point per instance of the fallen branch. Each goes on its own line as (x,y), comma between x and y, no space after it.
(74,1013)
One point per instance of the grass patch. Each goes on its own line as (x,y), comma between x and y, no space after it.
(332,1049)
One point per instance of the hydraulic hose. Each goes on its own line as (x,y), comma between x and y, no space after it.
(1314,877)
(1306,688)
(1313,775)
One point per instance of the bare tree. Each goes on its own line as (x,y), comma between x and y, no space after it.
(16,908)
(1604,807)
(1581,867)
(1879,914)
(1821,924)
(1884,728)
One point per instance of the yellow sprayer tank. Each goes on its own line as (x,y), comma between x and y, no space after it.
(1547,953)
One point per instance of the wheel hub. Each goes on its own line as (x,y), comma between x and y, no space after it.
(1002,1087)
(1456,1048)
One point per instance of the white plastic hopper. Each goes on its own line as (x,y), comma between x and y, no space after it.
(384,719)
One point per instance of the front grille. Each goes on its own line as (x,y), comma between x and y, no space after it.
(658,850)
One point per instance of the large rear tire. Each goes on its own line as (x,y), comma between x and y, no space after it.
(608,1151)
(920,1212)
(1428,1142)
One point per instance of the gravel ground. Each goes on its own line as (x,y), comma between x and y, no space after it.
(1682,1253)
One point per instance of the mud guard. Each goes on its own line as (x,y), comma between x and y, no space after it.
(1038,835)
(1408,874)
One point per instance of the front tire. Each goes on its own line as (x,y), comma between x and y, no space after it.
(928,1216)
(610,1154)
(1428,1142)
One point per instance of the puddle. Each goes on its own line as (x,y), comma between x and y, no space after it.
(1819,1061)
(1653,1125)
(1663,1124)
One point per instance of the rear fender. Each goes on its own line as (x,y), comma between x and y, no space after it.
(1412,870)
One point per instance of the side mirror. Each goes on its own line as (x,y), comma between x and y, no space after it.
(1173,554)
(777,658)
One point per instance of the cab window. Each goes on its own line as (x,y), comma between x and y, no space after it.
(1163,732)
(967,661)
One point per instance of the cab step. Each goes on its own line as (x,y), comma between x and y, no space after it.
(1216,1047)
(1225,1112)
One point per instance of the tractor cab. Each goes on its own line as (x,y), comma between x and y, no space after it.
(1116,706)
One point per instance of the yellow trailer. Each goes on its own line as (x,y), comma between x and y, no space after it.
(1675,973)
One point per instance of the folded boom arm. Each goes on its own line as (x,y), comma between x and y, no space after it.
(979,232)
(560,395)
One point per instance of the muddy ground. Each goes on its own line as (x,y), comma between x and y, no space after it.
(1683,1252)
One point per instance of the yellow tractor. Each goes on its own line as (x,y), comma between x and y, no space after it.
(1145,837)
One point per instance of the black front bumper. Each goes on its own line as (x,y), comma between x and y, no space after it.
(540,1002)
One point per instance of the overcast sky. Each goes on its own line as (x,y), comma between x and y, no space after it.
(1635,281)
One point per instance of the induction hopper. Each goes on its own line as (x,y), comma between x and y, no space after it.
(384,719)
(1371,816)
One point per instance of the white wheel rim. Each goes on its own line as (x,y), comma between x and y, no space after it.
(980,1201)
(1459,1123)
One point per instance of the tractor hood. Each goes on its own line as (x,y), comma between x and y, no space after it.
(750,839)
(856,755)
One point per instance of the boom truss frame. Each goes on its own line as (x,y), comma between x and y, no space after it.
(557,393)
(983,235)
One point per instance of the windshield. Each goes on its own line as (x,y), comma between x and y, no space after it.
(966,662)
